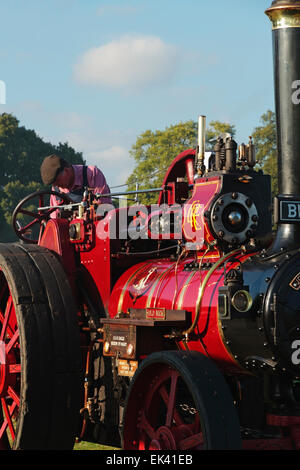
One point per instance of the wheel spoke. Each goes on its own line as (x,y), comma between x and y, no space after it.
(30,213)
(172,398)
(14,368)
(146,427)
(2,353)
(3,426)
(191,442)
(41,200)
(5,320)
(8,418)
(172,412)
(13,341)
(13,395)
(33,222)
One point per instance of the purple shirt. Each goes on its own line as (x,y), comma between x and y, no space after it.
(96,181)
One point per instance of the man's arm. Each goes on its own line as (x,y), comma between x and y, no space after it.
(53,202)
(97,182)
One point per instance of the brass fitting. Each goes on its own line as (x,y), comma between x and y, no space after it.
(284,14)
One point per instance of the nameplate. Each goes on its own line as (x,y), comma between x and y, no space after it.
(286,209)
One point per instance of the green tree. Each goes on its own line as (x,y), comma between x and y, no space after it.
(12,194)
(216,129)
(21,154)
(154,151)
(264,139)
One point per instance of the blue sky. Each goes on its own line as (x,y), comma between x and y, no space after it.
(96,74)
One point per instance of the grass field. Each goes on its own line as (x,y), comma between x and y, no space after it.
(83,445)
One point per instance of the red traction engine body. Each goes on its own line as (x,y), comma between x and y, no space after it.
(166,327)
(186,288)
(196,278)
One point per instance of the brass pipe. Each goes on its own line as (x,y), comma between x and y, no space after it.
(203,285)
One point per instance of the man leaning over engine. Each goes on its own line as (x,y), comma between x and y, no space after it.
(72,179)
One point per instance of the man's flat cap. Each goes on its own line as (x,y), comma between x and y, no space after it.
(50,168)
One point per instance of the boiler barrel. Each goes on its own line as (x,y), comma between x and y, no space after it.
(171,285)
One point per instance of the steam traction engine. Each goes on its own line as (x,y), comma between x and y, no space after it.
(176,328)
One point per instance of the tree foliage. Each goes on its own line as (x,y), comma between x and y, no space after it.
(264,138)
(21,154)
(216,129)
(13,193)
(154,151)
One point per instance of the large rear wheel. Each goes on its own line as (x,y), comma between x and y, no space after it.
(179,401)
(40,362)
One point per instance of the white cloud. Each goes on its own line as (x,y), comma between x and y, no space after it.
(110,154)
(130,63)
(114,161)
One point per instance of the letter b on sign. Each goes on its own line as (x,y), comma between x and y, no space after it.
(292,210)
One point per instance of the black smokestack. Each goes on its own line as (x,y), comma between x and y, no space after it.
(285,18)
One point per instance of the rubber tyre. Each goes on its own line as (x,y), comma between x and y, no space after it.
(50,381)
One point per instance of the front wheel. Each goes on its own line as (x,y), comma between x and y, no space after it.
(179,401)
(40,362)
